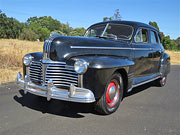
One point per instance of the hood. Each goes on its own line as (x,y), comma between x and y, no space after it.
(66,47)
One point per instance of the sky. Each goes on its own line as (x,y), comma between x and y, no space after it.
(83,13)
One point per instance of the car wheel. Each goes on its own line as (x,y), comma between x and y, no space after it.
(113,93)
(162,81)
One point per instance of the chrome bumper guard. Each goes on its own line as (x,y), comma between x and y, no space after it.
(74,94)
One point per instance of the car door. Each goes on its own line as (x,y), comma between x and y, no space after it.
(142,53)
(156,50)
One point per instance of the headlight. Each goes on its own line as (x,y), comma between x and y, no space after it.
(80,66)
(27,60)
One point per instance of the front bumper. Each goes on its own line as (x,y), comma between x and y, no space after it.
(74,94)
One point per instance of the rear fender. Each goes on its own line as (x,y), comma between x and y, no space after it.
(165,64)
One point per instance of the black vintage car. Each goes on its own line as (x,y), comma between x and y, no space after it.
(111,59)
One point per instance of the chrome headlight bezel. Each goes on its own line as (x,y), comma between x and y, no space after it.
(27,60)
(80,66)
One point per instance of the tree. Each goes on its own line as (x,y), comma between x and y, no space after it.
(48,23)
(65,28)
(28,34)
(59,32)
(78,32)
(107,19)
(9,27)
(161,35)
(168,43)
(41,32)
(154,24)
(177,41)
(117,15)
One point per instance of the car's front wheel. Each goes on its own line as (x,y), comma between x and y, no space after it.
(112,96)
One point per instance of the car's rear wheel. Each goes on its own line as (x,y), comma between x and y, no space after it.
(113,93)
(161,82)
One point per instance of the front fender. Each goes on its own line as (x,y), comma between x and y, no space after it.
(101,69)
(106,62)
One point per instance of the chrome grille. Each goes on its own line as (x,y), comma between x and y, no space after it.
(61,74)
(35,72)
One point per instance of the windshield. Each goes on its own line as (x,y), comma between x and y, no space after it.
(95,31)
(110,31)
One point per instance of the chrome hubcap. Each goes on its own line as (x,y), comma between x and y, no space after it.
(112,94)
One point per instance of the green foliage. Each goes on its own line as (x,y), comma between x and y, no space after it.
(9,27)
(35,28)
(28,34)
(59,32)
(154,24)
(45,22)
(161,35)
(171,44)
(42,32)
(178,43)
(78,32)
(107,19)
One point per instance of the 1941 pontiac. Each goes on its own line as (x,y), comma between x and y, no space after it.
(111,59)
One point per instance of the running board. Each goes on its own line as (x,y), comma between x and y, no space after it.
(136,85)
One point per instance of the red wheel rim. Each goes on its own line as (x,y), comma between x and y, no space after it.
(112,94)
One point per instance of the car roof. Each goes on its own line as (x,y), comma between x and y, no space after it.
(131,23)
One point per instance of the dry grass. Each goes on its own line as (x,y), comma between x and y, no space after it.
(12,52)
(175,57)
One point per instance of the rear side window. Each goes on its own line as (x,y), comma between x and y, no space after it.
(153,37)
(142,35)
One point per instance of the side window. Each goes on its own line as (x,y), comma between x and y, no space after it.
(153,37)
(138,37)
(142,35)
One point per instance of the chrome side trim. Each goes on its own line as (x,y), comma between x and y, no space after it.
(146,81)
(136,85)
(142,49)
(94,47)
(110,48)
